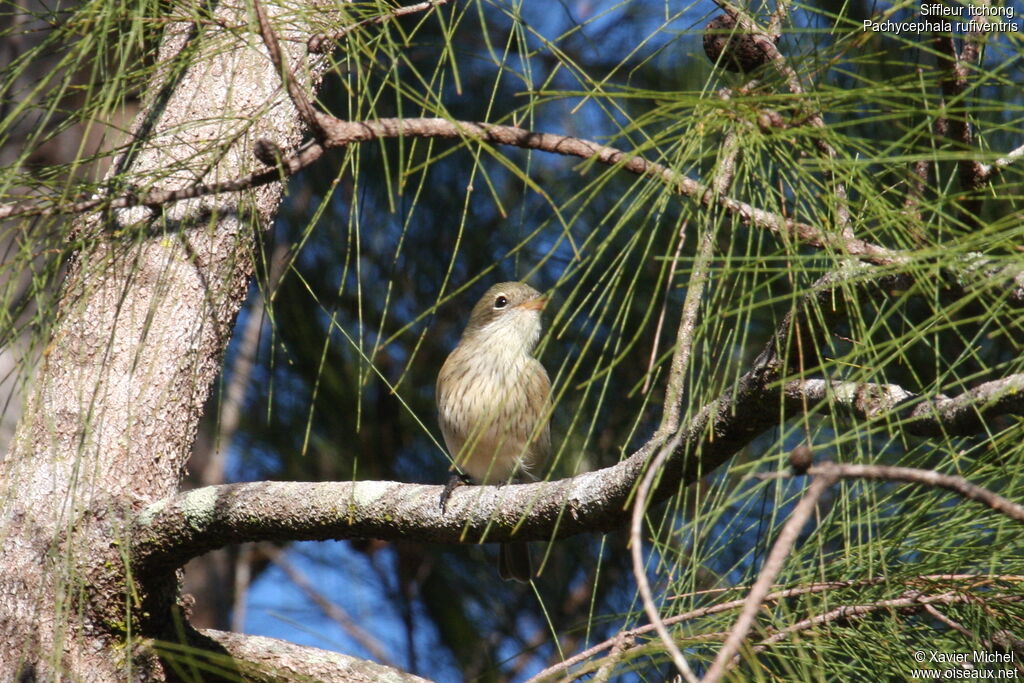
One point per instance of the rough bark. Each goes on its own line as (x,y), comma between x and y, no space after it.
(144,317)
(261,659)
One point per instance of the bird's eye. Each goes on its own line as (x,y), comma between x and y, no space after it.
(501,301)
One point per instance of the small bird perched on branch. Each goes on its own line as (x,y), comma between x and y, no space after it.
(493,398)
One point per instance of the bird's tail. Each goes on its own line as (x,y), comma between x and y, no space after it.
(514,561)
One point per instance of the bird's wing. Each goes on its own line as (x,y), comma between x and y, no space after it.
(540,394)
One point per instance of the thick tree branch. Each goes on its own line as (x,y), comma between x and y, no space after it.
(136,338)
(261,659)
(172,531)
(965,414)
(176,529)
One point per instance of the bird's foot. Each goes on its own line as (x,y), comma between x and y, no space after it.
(457,479)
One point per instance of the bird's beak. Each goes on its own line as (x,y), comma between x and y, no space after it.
(534,304)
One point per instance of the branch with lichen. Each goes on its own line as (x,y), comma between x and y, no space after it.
(170,532)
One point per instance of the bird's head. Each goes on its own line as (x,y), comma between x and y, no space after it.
(509,315)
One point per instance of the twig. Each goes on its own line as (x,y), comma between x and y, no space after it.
(664,307)
(622,643)
(772,566)
(329,608)
(956,484)
(971,636)
(999,164)
(824,476)
(956,626)
(320,43)
(578,597)
(922,168)
(342,133)
(674,391)
(289,166)
(912,601)
(797,591)
(241,581)
(720,182)
(307,112)
(241,371)
(765,40)
(778,16)
(954,85)
(672,408)
(915,601)
(636,553)
(972,172)
(820,586)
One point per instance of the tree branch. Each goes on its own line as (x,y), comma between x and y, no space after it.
(345,132)
(237,383)
(1003,162)
(922,170)
(176,529)
(911,601)
(957,485)
(914,601)
(772,567)
(965,414)
(290,165)
(330,609)
(928,580)
(322,43)
(823,476)
(307,113)
(261,659)
(172,531)
(765,40)
(341,133)
(957,70)
(674,391)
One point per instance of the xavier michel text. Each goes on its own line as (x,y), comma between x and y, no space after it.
(975,657)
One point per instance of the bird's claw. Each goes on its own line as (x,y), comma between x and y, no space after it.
(457,479)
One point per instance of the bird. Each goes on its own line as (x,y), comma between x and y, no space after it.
(493,401)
